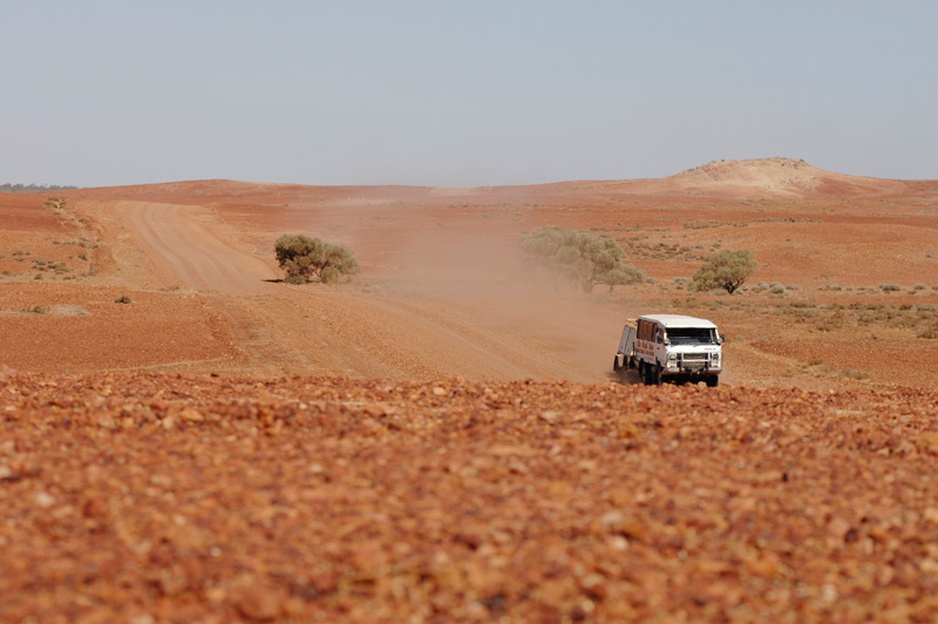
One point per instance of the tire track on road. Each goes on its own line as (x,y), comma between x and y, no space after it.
(186,246)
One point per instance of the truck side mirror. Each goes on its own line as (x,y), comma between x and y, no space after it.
(722,339)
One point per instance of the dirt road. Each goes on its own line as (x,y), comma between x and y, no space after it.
(496,334)
(188,244)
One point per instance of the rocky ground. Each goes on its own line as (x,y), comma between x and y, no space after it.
(144,497)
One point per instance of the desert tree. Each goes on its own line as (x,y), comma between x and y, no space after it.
(302,258)
(726,269)
(582,258)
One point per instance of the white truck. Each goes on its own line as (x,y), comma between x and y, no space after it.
(671,346)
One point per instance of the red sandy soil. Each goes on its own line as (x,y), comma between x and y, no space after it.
(184,438)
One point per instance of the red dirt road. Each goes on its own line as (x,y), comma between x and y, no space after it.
(479,331)
(185,243)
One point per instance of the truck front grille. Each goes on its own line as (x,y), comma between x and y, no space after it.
(694,362)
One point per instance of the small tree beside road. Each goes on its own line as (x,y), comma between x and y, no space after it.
(303,258)
(726,269)
(580,257)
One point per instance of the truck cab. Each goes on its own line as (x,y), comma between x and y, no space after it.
(671,347)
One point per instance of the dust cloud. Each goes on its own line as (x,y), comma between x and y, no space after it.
(459,260)
(485,271)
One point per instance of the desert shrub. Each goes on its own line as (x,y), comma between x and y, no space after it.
(890,287)
(777,289)
(726,269)
(681,283)
(799,311)
(303,258)
(832,323)
(55,203)
(580,257)
(123,299)
(295,278)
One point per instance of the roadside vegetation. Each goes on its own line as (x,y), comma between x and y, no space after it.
(43,257)
(304,259)
(55,203)
(580,258)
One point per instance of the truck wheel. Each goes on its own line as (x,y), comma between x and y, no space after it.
(713,381)
(643,373)
(615,364)
(657,377)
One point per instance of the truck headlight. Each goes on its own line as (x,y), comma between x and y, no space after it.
(672,356)
(715,360)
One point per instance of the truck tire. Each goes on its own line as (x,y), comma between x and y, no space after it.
(657,377)
(615,364)
(713,381)
(649,374)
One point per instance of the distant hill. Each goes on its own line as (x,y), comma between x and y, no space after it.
(776,176)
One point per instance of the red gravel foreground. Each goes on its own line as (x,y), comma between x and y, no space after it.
(150,498)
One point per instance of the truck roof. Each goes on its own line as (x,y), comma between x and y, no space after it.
(678,320)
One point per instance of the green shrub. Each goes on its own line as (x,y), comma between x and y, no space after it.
(303,258)
(580,257)
(726,269)
(295,278)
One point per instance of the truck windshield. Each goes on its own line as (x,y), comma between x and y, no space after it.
(692,336)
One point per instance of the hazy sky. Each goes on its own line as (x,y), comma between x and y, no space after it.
(460,93)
